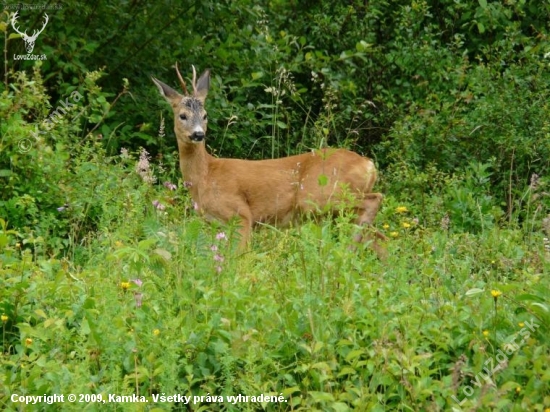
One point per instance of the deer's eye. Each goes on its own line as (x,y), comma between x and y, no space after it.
(183,117)
(205,117)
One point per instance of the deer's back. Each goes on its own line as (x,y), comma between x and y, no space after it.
(277,191)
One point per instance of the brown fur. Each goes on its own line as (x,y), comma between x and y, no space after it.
(276,191)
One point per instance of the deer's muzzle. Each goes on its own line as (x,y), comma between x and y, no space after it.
(197,136)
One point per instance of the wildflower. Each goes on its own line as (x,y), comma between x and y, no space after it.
(138,296)
(28,341)
(386,226)
(219,269)
(18,245)
(187,185)
(124,285)
(218,257)
(63,208)
(221,236)
(406,225)
(124,153)
(496,293)
(137,282)
(196,206)
(401,209)
(534,181)
(118,243)
(170,185)
(394,234)
(143,167)
(521,324)
(158,205)
(214,248)
(4,318)
(156,332)
(445,221)
(518,389)
(161,127)
(485,333)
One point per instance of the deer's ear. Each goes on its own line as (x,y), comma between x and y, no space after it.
(203,84)
(172,96)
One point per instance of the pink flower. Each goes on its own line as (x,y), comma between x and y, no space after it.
(138,297)
(158,205)
(221,236)
(214,248)
(218,257)
(137,282)
(170,185)
(187,185)
(143,167)
(219,269)
(195,206)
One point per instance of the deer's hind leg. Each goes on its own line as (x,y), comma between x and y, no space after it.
(366,213)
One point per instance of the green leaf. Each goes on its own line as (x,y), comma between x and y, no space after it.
(474,291)
(362,46)
(164,254)
(288,391)
(340,407)
(323,180)
(321,396)
(528,296)
(483,3)
(354,354)
(481,28)
(85,327)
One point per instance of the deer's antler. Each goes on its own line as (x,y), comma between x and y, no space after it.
(194,80)
(13,20)
(37,32)
(182,82)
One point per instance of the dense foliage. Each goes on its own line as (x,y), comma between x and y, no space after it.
(109,282)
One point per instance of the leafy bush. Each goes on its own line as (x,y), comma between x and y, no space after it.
(111,284)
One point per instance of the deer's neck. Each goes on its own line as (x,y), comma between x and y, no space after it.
(194,163)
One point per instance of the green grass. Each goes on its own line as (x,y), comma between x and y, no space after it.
(302,314)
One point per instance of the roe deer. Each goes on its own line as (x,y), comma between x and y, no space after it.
(275,191)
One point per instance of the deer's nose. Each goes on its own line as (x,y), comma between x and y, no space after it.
(197,136)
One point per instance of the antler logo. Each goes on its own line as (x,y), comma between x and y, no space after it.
(29,40)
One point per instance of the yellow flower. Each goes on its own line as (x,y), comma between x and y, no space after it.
(401,209)
(124,285)
(485,333)
(156,332)
(4,318)
(28,341)
(547,410)
(518,389)
(521,324)
(394,234)
(496,293)
(118,243)
(386,226)
(406,225)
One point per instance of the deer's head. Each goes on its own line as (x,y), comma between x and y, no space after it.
(190,118)
(29,40)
